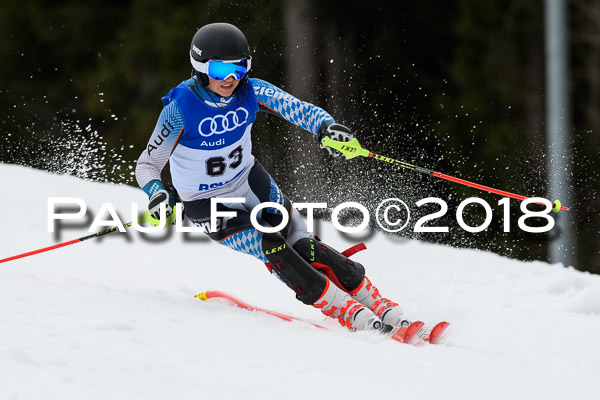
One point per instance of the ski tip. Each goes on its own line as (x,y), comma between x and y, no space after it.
(437,332)
(406,334)
(413,330)
(202,296)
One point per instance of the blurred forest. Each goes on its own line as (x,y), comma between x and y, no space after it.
(457,87)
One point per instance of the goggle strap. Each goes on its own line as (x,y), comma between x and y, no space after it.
(199,66)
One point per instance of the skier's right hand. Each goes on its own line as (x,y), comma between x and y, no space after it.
(167,196)
(158,198)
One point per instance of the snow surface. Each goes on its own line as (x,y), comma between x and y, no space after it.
(115,317)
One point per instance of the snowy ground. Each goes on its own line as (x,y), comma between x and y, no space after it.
(115,318)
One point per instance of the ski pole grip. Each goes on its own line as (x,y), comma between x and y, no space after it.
(349,149)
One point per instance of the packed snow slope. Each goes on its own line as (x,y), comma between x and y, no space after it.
(116,318)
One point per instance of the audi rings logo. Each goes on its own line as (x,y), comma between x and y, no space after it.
(223,123)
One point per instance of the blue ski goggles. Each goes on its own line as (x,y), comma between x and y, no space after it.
(221,70)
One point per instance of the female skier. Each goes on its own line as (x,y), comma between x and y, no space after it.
(204,131)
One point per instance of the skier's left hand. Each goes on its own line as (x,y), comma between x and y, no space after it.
(336,132)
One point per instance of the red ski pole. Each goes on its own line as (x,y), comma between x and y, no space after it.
(57,246)
(353,149)
(144,218)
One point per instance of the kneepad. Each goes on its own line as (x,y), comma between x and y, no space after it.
(346,274)
(308,283)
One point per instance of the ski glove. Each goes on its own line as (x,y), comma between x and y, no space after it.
(336,132)
(167,195)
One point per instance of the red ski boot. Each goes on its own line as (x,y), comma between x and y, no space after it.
(389,312)
(336,303)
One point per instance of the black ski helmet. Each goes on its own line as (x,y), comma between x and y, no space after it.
(219,41)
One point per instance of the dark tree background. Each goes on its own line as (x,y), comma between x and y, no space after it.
(457,87)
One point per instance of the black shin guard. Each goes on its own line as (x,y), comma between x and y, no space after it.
(346,274)
(308,283)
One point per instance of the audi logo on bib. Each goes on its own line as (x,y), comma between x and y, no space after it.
(223,123)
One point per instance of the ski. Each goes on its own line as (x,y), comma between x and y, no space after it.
(215,294)
(433,334)
(406,334)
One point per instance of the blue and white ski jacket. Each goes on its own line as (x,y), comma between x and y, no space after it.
(208,138)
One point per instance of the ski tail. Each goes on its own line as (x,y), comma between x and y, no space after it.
(215,294)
